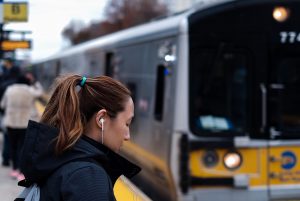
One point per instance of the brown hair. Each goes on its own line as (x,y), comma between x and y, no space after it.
(69,109)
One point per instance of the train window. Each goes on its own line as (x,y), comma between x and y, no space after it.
(284,99)
(109,64)
(58,67)
(132,87)
(159,96)
(218,93)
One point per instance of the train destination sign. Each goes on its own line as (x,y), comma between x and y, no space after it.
(13,12)
(10,45)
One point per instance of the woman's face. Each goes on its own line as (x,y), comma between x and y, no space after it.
(116,130)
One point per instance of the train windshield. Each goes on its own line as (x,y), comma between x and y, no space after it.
(218,91)
(284,99)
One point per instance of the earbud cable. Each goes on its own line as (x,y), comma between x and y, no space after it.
(102,131)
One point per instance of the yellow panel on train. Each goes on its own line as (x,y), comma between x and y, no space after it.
(254,165)
(283,166)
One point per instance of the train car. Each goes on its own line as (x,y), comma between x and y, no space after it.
(216,101)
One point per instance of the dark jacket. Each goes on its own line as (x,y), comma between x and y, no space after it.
(87,172)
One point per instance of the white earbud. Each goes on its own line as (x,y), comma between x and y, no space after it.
(102,122)
(102,128)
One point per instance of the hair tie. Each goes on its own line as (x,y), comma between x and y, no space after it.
(82,81)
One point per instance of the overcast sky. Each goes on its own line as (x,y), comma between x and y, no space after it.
(47,18)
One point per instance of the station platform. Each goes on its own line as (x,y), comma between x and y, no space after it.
(9,188)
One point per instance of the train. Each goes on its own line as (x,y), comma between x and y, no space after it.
(217,113)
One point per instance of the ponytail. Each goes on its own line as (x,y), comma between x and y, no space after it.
(63,112)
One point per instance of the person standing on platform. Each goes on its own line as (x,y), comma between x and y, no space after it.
(18,103)
(9,74)
(72,153)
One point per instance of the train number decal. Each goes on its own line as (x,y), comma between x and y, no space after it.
(289,37)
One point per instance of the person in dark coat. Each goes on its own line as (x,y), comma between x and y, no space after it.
(72,154)
(8,76)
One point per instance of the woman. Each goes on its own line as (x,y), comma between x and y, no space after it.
(71,154)
(18,104)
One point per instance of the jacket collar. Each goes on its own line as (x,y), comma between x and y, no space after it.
(113,163)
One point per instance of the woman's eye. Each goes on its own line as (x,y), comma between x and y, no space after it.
(128,123)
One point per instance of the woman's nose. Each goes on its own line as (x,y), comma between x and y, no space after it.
(127,136)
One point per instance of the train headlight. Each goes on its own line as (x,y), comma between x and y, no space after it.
(210,158)
(232,160)
(281,14)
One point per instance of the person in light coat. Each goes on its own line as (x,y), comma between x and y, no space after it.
(9,73)
(18,105)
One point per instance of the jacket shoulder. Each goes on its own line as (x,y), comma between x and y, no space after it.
(89,177)
(86,166)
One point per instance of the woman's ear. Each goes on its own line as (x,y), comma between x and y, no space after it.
(100,117)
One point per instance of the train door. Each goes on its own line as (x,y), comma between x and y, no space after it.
(283,120)
(161,62)
(109,64)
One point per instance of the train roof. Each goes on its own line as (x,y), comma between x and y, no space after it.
(168,26)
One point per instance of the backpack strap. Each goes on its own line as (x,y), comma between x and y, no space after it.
(31,193)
